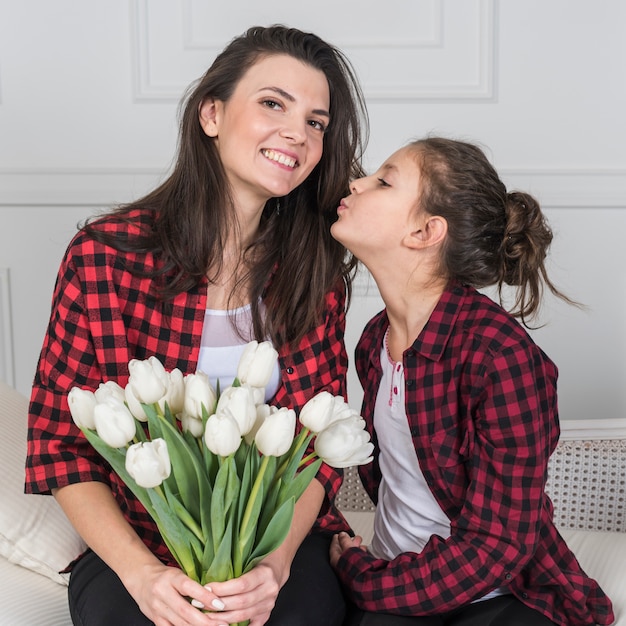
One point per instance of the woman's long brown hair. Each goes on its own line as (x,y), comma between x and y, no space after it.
(193,207)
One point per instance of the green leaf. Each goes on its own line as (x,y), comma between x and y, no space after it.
(219,504)
(221,567)
(273,537)
(154,421)
(187,471)
(183,515)
(296,487)
(182,543)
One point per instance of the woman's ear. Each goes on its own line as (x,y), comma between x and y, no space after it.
(431,231)
(209,114)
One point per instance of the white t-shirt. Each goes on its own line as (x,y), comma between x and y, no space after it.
(407,513)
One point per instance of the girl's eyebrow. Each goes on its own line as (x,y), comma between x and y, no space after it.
(287,96)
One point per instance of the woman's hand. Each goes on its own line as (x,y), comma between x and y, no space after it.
(340,543)
(249,597)
(163,594)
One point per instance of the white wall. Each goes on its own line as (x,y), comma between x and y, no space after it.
(88,94)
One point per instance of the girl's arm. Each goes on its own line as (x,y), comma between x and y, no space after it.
(499,485)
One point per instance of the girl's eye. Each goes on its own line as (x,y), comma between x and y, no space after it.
(383,182)
(317,125)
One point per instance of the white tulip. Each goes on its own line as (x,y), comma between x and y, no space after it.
(134,405)
(82,403)
(222,435)
(148,462)
(258,395)
(192,424)
(115,424)
(148,379)
(257,363)
(317,413)
(275,434)
(198,392)
(110,388)
(239,401)
(345,443)
(175,394)
(262,411)
(341,410)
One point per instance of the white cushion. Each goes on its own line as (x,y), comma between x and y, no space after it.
(28,599)
(34,531)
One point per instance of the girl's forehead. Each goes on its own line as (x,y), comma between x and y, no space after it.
(402,161)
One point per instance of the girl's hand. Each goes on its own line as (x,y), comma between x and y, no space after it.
(340,543)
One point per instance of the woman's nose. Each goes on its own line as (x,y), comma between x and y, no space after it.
(295,131)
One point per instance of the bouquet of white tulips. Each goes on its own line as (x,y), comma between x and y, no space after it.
(218,472)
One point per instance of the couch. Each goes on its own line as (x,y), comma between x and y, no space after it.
(587,483)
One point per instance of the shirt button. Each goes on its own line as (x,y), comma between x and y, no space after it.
(508,577)
(290,370)
(415,431)
(410,382)
(525,596)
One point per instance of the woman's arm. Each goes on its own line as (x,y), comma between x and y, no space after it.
(160,591)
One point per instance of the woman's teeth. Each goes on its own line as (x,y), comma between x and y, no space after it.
(279,157)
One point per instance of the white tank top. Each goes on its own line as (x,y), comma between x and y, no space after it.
(221,347)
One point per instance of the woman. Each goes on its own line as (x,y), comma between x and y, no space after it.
(460,402)
(234,245)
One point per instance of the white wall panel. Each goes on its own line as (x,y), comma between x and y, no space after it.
(437,50)
(88,99)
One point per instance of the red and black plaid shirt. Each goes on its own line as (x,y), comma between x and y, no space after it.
(482,409)
(102,317)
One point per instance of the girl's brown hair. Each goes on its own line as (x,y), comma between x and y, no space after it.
(193,207)
(494,237)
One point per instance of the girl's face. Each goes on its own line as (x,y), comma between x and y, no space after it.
(381,209)
(270,132)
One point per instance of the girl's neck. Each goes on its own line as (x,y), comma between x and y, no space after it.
(409,303)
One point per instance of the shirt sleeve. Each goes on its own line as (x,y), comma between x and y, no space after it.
(499,471)
(57,452)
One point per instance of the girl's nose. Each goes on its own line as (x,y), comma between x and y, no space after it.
(356,186)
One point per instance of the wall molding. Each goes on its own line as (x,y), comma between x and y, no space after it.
(464,72)
(554,188)
(7,370)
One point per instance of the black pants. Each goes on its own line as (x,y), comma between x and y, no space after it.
(501,611)
(312,595)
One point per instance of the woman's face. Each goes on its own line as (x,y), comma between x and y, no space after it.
(381,208)
(270,132)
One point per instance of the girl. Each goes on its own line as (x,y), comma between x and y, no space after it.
(460,402)
(234,245)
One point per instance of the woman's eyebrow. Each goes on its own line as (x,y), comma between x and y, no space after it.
(287,96)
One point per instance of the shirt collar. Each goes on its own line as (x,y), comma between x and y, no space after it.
(432,341)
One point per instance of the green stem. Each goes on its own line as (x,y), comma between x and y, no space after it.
(306,459)
(304,433)
(254,494)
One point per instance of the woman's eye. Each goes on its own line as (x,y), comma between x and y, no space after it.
(317,125)
(383,182)
(271,104)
